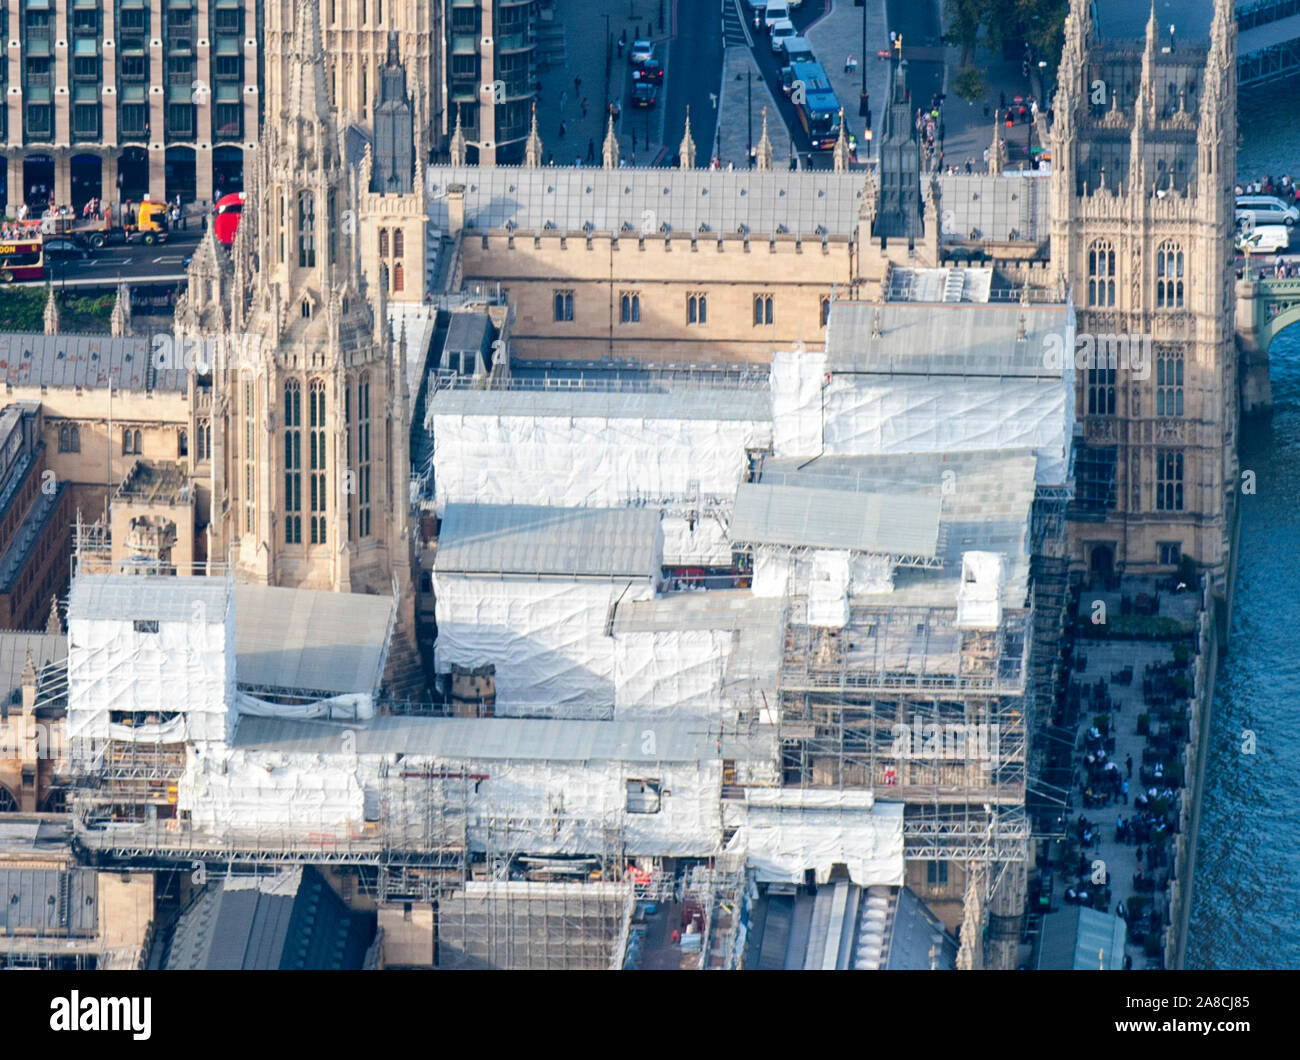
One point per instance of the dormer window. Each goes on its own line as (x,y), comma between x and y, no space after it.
(306,309)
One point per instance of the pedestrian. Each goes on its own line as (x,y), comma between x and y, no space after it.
(564,98)
(970,166)
(591,150)
(577,84)
(1128,764)
(850,63)
(622,43)
(564,127)
(1124,789)
(584,106)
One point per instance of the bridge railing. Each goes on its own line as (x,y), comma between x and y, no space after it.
(1263,12)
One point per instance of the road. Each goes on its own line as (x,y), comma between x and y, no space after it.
(161,263)
(770,63)
(692,61)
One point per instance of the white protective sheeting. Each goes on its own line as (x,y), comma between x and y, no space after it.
(829,574)
(186,667)
(797,381)
(350,707)
(871,574)
(587,462)
(979,602)
(546,638)
(170,731)
(670,674)
(707,545)
(784,836)
(869,414)
(227,791)
(773,571)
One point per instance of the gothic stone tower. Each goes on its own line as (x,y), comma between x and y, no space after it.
(1144,153)
(357,36)
(309,464)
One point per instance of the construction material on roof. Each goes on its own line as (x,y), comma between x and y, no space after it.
(788,832)
(681,448)
(534,540)
(799,517)
(159,653)
(313,642)
(684,202)
(901,398)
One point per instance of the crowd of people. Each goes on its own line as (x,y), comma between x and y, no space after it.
(1283,187)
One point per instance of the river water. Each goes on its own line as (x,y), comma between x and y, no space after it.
(1246,903)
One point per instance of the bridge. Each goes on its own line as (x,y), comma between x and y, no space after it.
(1268,42)
(1265,307)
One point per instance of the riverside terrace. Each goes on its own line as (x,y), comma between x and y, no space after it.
(1128,725)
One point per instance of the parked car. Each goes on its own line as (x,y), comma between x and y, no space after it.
(642,52)
(651,70)
(1266,210)
(782,31)
(645,94)
(798,50)
(1265,239)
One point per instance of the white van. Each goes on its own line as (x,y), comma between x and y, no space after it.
(1264,239)
(774,12)
(1265,210)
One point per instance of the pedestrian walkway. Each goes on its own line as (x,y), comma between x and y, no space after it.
(738,108)
(836,36)
(560,99)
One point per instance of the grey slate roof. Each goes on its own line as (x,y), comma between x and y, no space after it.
(914,930)
(128,596)
(45,648)
(521,539)
(34,359)
(684,404)
(1010,208)
(768,202)
(493,739)
(310,638)
(39,906)
(890,524)
(963,339)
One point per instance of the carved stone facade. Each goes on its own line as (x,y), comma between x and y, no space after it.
(1144,148)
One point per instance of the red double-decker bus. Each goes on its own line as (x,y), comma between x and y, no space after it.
(22,258)
(226,217)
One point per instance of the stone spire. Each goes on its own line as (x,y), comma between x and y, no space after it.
(120,321)
(457,146)
(54,624)
(1146,109)
(764,159)
(842,147)
(609,152)
(533,145)
(1217,123)
(28,679)
(51,313)
(995,148)
(687,150)
(307,98)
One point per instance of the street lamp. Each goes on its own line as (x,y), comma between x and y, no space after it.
(749,110)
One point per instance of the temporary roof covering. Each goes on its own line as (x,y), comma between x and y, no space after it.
(715,403)
(504,739)
(881,523)
(966,340)
(1082,939)
(310,639)
(127,597)
(521,539)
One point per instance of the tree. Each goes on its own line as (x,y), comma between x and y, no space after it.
(969,84)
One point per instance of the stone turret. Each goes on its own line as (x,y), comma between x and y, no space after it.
(764,158)
(457,145)
(533,146)
(609,152)
(51,313)
(687,150)
(841,159)
(120,321)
